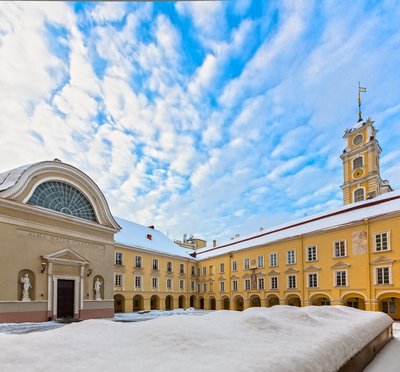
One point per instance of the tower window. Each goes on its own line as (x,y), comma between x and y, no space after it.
(358,162)
(358,139)
(359,195)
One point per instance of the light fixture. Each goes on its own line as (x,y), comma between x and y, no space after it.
(89,271)
(44,265)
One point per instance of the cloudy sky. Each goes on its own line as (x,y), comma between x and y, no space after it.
(210,118)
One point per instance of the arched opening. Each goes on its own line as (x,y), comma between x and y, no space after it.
(154,302)
(294,301)
(119,303)
(359,194)
(26,285)
(389,303)
(213,304)
(192,301)
(169,303)
(273,301)
(138,303)
(181,302)
(354,300)
(201,303)
(255,301)
(239,306)
(321,301)
(226,303)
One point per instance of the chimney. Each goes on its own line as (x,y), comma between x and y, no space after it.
(214,243)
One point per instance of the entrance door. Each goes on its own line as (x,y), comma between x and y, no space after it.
(65,298)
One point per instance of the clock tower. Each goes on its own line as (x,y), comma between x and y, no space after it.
(360,158)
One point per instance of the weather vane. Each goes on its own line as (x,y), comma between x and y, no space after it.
(360,90)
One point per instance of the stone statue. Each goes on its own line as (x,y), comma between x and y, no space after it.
(26,285)
(97,287)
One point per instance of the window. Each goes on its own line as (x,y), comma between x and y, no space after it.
(312,253)
(383,275)
(340,248)
(181,268)
(198,288)
(291,257)
(221,268)
(273,259)
(198,271)
(313,280)
(274,282)
(359,195)
(234,285)
(154,283)
(204,287)
(222,286)
(169,283)
(169,266)
(204,271)
(292,281)
(260,261)
(192,270)
(138,262)
(382,242)
(118,280)
(155,264)
(341,278)
(389,307)
(138,282)
(234,265)
(118,258)
(181,284)
(247,284)
(261,284)
(192,285)
(358,139)
(211,270)
(247,263)
(358,162)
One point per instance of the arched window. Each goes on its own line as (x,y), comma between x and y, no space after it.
(62,197)
(359,195)
(358,162)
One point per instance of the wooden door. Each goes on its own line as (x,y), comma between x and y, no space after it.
(65,298)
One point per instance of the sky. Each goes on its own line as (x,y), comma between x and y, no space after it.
(205,118)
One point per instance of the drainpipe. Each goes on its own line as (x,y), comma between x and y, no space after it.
(369,286)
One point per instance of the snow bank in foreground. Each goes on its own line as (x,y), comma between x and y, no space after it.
(280,338)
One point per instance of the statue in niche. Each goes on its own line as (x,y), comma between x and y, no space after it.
(26,285)
(97,289)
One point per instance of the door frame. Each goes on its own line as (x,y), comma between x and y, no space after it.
(76,280)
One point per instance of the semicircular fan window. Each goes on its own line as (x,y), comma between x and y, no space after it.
(62,197)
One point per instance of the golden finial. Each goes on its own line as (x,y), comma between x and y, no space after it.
(360,90)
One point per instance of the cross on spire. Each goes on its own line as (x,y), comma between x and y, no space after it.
(360,90)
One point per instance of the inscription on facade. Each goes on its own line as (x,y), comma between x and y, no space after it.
(58,239)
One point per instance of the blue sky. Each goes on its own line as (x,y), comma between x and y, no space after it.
(206,118)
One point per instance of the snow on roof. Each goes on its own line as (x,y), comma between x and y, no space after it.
(280,338)
(11,177)
(383,204)
(135,235)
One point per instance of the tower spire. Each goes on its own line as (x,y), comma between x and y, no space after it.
(360,90)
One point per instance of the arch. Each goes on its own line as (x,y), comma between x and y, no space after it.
(389,303)
(27,178)
(213,303)
(293,299)
(359,194)
(239,303)
(225,303)
(181,302)
(358,162)
(26,279)
(119,303)
(138,303)
(201,303)
(101,279)
(385,294)
(347,295)
(155,302)
(320,299)
(192,301)
(272,300)
(169,303)
(255,301)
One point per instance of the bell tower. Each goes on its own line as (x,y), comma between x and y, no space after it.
(360,158)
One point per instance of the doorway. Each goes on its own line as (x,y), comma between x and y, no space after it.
(65,298)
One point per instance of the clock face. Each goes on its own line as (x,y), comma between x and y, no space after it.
(358,173)
(358,139)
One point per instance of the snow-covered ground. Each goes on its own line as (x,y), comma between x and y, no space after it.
(280,338)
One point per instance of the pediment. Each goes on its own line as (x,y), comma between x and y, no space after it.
(221,278)
(312,268)
(210,280)
(291,271)
(66,257)
(246,276)
(340,265)
(273,272)
(382,260)
(260,275)
(234,277)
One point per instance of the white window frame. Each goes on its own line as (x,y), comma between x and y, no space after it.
(261,287)
(155,264)
(273,259)
(157,282)
(140,277)
(192,286)
(354,192)
(221,268)
(247,284)
(138,259)
(389,248)
(169,287)
(308,280)
(234,265)
(246,263)
(119,261)
(271,283)
(354,159)
(235,285)
(288,281)
(260,262)
(316,253)
(170,267)
(204,269)
(181,284)
(222,286)
(389,267)
(121,276)
(181,268)
(334,248)
(287,257)
(335,281)
(204,287)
